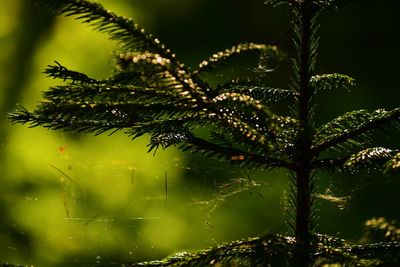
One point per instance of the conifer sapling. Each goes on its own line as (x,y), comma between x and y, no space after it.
(152,92)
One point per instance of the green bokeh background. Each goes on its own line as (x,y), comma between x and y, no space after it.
(79,200)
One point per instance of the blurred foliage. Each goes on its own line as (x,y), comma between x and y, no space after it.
(70,199)
(380,230)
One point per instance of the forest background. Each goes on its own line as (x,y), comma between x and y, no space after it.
(77,199)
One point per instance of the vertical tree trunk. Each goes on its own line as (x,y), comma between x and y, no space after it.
(303,156)
(303,214)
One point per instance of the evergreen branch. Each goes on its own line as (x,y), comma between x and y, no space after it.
(135,125)
(286,132)
(264,94)
(154,78)
(386,252)
(341,124)
(96,126)
(61,72)
(124,106)
(100,118)
(271,250)
(245,81)
(95,117)
(326,240)
(322,4)
(245,114)
(276,3)
(243,107)
(280,144)
(142,60)
(111,110)
(370,159)
(108,93)
(177,123)
(195,144)
(167,139)
(353,127)
(224,59)
(253,122)
(220,138)
(331,81)
(176,133)
(393,165)
(335,251)
(318,5)
(276,250)
(331,250)
(163,130)
(237,139)
(243,101)
(121,29)
(135,107)
(169,76)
